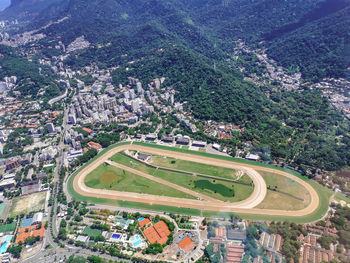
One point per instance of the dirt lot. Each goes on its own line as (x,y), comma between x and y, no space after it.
(28,203)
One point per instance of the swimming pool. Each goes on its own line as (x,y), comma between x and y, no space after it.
(137,243)
(140,219)
(116,236)
(3,247)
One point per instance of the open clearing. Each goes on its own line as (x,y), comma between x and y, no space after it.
(113,178)
(284,193)
(193,167)
(29,203)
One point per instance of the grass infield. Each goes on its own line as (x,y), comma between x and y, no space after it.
(283,193)
(193,167)
(113,178)
(91,232)
(225,191)
(323,192)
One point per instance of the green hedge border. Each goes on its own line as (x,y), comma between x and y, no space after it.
(323,192)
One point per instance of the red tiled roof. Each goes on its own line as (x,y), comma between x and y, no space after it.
(87,130)
(234,255)
(220,232)
(186,245)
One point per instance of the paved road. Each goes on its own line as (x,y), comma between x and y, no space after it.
(54,256)
(246,206)
(52,221)
(54,100)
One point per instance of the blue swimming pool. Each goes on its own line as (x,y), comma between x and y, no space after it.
(115,236)
(137,243)
(3,247)
(140,219)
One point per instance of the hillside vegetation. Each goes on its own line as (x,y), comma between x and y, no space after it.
(181,40)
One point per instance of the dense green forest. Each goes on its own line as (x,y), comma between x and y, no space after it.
(25,10)
(320,49)
(299,127)
(309,35)
(29,78)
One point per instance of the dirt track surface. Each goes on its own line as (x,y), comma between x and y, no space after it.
(245,206)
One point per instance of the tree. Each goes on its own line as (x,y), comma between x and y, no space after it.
(76,259)
(15,250)
(63,223)
(94,259)
(154,249)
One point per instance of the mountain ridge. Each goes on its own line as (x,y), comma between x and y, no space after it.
(213,25)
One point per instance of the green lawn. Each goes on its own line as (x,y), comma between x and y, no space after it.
(340,197)
(8,227)
(128,182)
(2,207)
(241,191)
(91,232)
(127,161)
(215,187)
(193,167)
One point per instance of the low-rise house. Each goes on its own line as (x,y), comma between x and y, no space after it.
(168,139)
(252,157)
(151,137)
(201,144)
(183,141)
(186,245)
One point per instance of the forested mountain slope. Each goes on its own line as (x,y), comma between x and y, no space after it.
(183,39)
(305,35)
(25,10)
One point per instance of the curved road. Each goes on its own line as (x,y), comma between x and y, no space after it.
(245,206)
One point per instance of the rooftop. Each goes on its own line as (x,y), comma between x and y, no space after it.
(187,244)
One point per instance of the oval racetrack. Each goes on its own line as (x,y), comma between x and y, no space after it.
(205,203)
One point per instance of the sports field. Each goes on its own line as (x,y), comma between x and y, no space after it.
(258,193)
(29,203)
